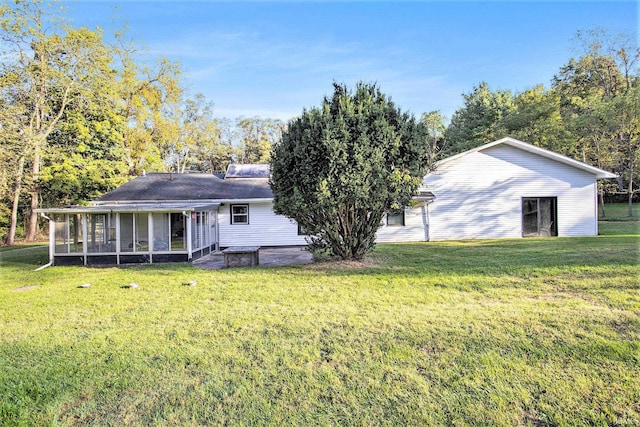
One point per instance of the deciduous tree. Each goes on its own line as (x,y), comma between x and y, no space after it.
(477,122)
(52,66)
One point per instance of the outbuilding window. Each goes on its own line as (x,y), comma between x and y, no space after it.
(239,214)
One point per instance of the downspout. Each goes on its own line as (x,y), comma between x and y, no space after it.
(51,242)
(425,220)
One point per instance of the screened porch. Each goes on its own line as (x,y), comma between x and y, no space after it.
(124,234)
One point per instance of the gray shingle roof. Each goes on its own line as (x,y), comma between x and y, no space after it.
(166,186)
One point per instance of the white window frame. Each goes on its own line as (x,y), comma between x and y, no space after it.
(400,214)
(233,215)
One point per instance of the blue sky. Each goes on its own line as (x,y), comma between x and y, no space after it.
(272,59)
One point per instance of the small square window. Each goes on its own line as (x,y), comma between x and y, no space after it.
(239,214)
(303,231)
(395,218)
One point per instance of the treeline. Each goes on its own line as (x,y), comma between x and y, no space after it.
(590,112)
(79,116)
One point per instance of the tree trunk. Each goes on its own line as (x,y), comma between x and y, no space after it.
(33,217)
(11,237)
(35,195)
(601,199)
(630,211)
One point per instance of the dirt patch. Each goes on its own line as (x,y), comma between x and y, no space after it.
(337,264)
(25,288)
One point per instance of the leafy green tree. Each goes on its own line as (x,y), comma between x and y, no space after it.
(599,101)
(256,136)
(85,158)
(621,114)
(150,99)
(341,166)
(197,145)
(51,66)
(537,119)
(477,122)
(434,126)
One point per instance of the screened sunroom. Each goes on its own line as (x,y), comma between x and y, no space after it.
(131,233)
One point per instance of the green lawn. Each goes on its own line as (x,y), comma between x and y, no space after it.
(492,332)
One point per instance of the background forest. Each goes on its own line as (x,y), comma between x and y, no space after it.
(80,115)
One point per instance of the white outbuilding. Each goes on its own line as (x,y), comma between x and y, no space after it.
(508,189)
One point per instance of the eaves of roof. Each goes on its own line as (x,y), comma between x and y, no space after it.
(512,142)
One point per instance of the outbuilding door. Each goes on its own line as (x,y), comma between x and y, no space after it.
(539,217)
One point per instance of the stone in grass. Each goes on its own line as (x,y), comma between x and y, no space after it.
(131,285)
(191,283)
(85,285)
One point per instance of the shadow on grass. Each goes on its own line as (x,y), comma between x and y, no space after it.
(494,257)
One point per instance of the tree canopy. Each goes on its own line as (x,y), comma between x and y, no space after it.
(590,111)
(79,116)
(339,167)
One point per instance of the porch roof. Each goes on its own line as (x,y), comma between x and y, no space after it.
(132,207)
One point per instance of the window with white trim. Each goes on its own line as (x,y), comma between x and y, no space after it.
(239,214)
(395,218)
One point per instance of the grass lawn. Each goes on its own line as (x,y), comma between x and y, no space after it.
(490,332)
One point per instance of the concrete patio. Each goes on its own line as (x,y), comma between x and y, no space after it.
(289,255)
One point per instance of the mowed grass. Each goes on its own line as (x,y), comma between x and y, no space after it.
(492,332)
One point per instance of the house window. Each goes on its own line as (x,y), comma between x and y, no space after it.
(303,231)
(395,218)
(539,216)
(239,214)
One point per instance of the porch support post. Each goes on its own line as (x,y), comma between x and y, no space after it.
(118,238)
(52,238)
(151,238)
(217,229)
(85,235)
(189,248)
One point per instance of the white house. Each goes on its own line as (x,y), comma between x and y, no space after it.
(504,189)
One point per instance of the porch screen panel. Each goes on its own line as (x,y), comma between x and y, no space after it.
(142,232)
(178,230)
(75,233)
(126,232)
(98,235)
(61,233)
(196,231)
(161,230)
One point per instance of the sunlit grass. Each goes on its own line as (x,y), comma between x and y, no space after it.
(493,332)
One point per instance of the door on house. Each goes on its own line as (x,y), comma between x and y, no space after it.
(539,216)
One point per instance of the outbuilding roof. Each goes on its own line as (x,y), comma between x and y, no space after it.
(512,142)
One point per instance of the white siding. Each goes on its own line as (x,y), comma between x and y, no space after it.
(265,228)
(480,195)
(414,229)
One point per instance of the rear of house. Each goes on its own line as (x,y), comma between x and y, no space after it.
(505,189)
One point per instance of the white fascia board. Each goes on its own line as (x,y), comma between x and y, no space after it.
(137,207)
(245,201)
(524,146)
